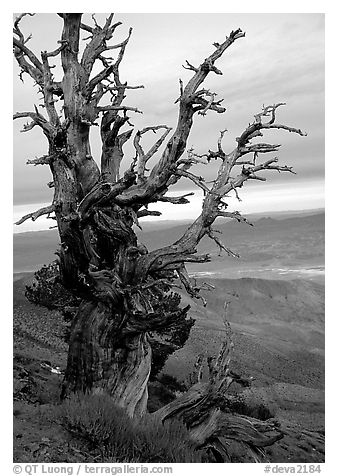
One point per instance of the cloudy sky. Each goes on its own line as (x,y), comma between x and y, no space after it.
(281,59)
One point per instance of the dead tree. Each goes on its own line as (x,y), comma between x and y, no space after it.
(97,208)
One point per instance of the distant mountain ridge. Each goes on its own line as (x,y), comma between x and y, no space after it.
(33,249)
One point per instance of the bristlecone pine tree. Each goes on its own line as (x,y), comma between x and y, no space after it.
(97,207)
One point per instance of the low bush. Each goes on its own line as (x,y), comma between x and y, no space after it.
(237,404)
(46,290)
(172,383)
(158,396)
(109,432)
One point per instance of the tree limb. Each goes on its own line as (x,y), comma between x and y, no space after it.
(214,237)
(181,200)
(43,160)
(37,120)
(236,216)
(25,58)
(144,157)
(146,213)
(199,181)
(118,108)
(191,101)
(106,72)
(35,215)
(27,52)
(224,183)
(193,291)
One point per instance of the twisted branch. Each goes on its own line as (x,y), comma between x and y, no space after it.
(35,215)
(37,120)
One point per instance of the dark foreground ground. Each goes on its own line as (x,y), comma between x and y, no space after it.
(279,340)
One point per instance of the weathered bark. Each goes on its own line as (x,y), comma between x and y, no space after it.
(100,360)
(78,113)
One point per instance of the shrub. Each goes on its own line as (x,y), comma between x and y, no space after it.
(158,396)
(92,417)
(46,290)
(107,430)
(238,404)
(172,383)
(164,443)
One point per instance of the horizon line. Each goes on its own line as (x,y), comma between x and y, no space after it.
(155,220)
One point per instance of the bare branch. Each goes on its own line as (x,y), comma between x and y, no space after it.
(17,21)
(43,160)
(26,59)
(183,249)
(193,291)
(57,51)
(192,158)
(191,101)
(98,44)
(236,216)
(145,213)
(113,68)
(181,200)
(37,119)
(204,105)
(190,66)
(254,129)
(224,183)
(219,142)
(49,86)
(35,215)
(199,181)
(181,91)
(123,86)
(144,157)
(118,108)
(268,111)
(209,104)
(214,237)
(20,44)
(233,187)
(219,154)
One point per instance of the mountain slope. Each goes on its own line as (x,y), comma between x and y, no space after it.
(278,334)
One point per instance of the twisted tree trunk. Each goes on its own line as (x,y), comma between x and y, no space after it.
(108,349)
(100,360)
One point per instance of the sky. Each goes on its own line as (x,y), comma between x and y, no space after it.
(281,59)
